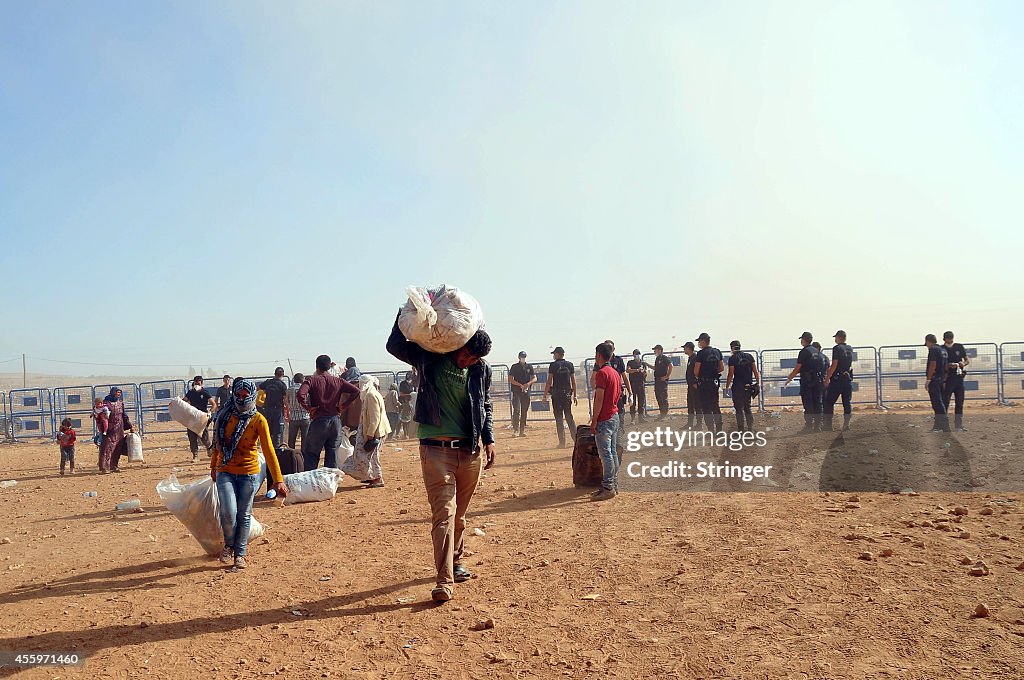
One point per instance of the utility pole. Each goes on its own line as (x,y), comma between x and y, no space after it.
(290,369)
(24,372)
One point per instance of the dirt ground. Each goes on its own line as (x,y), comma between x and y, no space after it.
(682,584)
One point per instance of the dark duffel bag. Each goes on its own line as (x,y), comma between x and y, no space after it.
(290,460)
(586,461)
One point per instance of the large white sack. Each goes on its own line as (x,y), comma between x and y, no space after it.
(313,485)
(134,448)
(440,319)
(196,506)
(357,464)
(188,415)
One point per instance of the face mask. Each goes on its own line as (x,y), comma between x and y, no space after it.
(197,388)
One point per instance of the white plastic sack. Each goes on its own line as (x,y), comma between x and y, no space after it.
(357,466)
(311,486)
(440,319)
(188,415)
(134,442)
(196,506)
(345,446)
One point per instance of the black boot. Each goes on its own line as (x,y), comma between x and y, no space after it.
(846,421)
(827,422)
(958,419)
(808,424)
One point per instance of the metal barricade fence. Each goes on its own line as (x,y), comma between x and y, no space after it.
(902,373)
(5,428)
(74,403)
(153,399)
(1011,377)
(129,395)
(385,378)
(540,410)
(31,413)
(776,365)
(501,393)
(676,383)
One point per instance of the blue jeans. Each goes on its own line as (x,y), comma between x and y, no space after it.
(235,494)
(607,440)
(324,434)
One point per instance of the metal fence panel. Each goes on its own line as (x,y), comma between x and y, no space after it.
(501,393)
(74,403)
(1012,369)
(777,363)
(386,379)
(5,428)
(153,399)
(676,383)
(902,371)
(31,413)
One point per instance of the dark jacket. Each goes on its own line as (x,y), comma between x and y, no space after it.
(428,409)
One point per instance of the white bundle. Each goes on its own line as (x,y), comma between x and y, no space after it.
(134,442)
(440,319)
(188,415)
(313,485)
(196,506)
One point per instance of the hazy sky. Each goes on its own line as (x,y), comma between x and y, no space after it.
(221,183)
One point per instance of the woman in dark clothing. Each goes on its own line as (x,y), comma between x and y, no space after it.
(118,424)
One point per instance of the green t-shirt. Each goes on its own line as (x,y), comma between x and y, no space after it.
(450,381)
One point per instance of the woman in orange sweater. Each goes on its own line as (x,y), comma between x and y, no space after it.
(235,466)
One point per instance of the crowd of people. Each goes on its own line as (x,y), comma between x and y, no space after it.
(444,401)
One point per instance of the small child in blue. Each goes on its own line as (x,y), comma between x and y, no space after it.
(66,438)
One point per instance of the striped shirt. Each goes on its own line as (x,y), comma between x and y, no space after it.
(295,411)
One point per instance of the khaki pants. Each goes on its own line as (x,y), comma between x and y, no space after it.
(450,476)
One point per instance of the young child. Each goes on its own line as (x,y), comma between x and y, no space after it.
(101,414)
(66,438)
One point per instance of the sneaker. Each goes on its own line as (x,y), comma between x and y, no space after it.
(441,594)
(604,495)
(239,562)
(226,555)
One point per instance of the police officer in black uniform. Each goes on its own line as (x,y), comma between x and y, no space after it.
(692,396)
(619,365)
(822,372)
(839,382)
(743,378)
(936,376)
(662,374)
(810,386)
(708,370)
(955,373)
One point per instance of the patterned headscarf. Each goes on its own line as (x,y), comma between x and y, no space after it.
(243,409)
(112,397)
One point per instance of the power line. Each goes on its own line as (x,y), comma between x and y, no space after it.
(179,364)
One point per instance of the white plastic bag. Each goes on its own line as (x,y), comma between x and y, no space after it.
(441,319)
(357,466)
(196,506)
(188,415)
(311,486)
(345,446)
(134,443)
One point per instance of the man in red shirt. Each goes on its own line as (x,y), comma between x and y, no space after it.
(605,421)
(320,394)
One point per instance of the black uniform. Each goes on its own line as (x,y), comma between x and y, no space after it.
(955,353)
(620,368)
(692,398)
(276,391)
(840,385)
(823,364)
(707,387)
(937,386)
(810,386)
(561,372)
(637,384)
(199,399)
(742,364)
(521,373)
(661,369)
